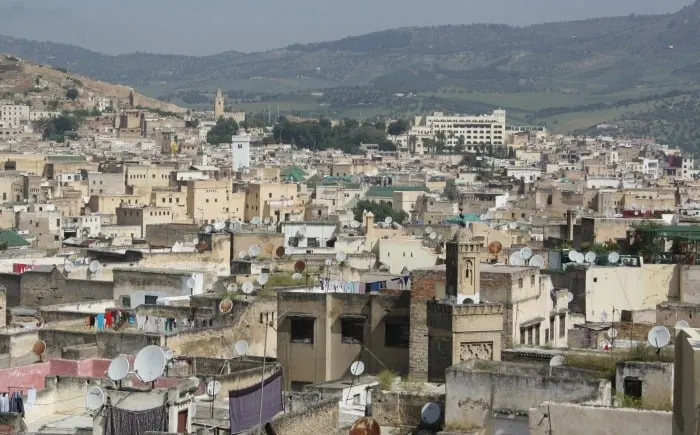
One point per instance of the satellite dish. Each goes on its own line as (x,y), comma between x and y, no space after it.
(388,220)
(255,220)
(572,255)
(301,231)
(38,348)
(513,225)
(68,267)
(433,235)
(279,251)
(604,316)
(612,333)
(169,354)
(484,217)
(430,413)
(191,283)
(94,266)
(225,306)
(613,257)
(213,388)
(569,297)
(241,348)
(355,224)
(341,256)
(268,248)
(150,363)
(242,254)
(247,287)
(266,221)
(590,257)
(579,258)
(218,226)
(118,368)
(195,240)
(328,262)
(263,278)
(516,259)
(557,360)
(499,215)
(428,230)
(537,261)
(357,368)
(495,247)
(659,337)
(254,250)
(94,399)
(232,288)
(526,253)
(209,229)
(681,324)
(296,276)
(299,266)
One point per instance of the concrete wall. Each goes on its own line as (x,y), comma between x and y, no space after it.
(476,388)
(657,381)
(689,284)
(393,408)
(574,419)
(34,289)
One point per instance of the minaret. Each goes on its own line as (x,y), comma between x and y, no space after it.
(463,263)
(218,105)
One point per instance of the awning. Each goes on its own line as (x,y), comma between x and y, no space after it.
(353,317)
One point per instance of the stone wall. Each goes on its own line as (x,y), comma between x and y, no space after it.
(476,388)
(395,408)
(552,418)
(656,378)
(321,418)
(168,234)
(36,288)
(424,283)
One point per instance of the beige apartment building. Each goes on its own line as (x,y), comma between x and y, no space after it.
(172,198)
(143,215)
(106,183)
(45,226)
(275,195)
(213,200)
(11,187)
(148,175)
(108,204)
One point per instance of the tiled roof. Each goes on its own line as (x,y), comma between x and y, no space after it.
(11,239)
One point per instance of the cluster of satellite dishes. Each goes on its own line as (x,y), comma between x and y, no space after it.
(525,257)
(389,223)
(93,267)
(432,235)
(149,365)
(590,257)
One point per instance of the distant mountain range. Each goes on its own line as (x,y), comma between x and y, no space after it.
(590,59)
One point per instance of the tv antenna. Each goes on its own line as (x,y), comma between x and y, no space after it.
(149,364)
(357,368)
(118,369)
(94,400)
(225,306)
(430,413)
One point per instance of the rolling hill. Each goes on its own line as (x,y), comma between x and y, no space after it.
(461,68)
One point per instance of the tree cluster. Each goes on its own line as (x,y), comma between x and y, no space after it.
(380,211)
(57,129)
(347,135)
(222,131)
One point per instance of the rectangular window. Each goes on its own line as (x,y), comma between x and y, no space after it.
(522,335)
(529,336)
(551,328)
(352,331)
(312,242)
(520,283)
(150,300)
(302,330)
(126,301)
(562,325)
(294,242)
(396,334)
(532,281)
(546,336)
(537,335)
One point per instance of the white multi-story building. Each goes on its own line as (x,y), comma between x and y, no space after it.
(240,152)
(14,114)
(473,130)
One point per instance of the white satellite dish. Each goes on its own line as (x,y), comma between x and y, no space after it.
(484,217)
(241,348)
(255,220)
(247,287)
(94,399)
(69,267)
(569,297)
(213,388)
(612,333)
(388,220)
(218,226)
(681,324)
(604,316)
(573,254)
(659,337)
(537,261)
(266,221)
(208,229)
(263,278)
(232,288)
(150,363)
(557,360)
(613,257)
(253,251)
(191,282)
(430,413)
(328,262)
(516,259)
(94,266)
(301,231)
(357,368)
(195,240)
(242,254)
(169,354)
(355,224)
(428,230)
(433,235)
(341,256)
(513,226)
(118,368)
(526,253)
(580,258)
(296,276)
(590,257)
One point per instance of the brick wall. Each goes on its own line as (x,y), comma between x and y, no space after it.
(423,284)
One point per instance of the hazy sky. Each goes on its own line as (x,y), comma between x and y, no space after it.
(205,27)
